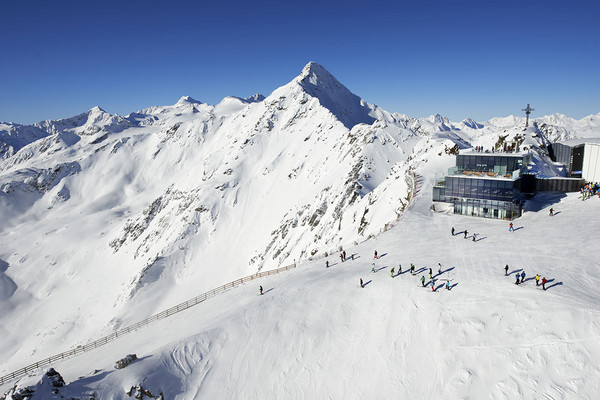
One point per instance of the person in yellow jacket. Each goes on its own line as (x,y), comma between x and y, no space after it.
(537,280)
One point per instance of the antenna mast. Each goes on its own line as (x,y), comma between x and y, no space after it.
(528,111)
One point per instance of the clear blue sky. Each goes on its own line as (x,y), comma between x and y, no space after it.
(477,59)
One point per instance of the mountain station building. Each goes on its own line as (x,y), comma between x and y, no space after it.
(581,157)
(489,185)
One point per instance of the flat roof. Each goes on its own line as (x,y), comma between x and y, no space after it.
(472,152)
(578,141)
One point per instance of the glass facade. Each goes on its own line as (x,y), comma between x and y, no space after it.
(484,185)
(488,189)
(499,163)
(487,208)
(478,197)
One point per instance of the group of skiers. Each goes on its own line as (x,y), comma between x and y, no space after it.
(343,256)
(511,228)
(412,272)
(520,278)
(433,280)
(590,190)
(465,232)
(376,257)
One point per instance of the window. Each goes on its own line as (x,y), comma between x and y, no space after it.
(485,192)
(474,185)
(461,187)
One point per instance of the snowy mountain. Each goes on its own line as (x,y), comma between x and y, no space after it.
(108,219)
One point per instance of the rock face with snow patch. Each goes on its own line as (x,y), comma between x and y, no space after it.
(48,387)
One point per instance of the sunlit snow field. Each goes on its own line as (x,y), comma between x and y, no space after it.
(316,334)
(106,220)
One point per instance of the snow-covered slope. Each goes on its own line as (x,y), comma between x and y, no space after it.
(316,334)
(185,198)
(13,137)
(111,219)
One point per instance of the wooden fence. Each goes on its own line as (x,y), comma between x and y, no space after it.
(173,310)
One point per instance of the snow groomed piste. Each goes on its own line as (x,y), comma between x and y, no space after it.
(171,311)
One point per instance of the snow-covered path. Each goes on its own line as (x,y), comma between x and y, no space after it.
(316,334)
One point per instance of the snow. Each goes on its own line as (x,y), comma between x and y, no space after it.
(575,142)
(107,220)
(316,333)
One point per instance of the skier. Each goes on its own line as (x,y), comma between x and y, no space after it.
(344,254)
(373,269)
(474,236)
(522,276)
(361,283)
(537,280)
(392,272)
(439,269)
(452,231)
(375,256)
(506,270)
(544,283)
(433,286)
(430,273)
(423,280)
(511,228)
(412,269)
(352,256)
(342,257)
(327,264)
(448,285)
(551,212)
(517,276)
(466,234)
(261,290)
(399,269)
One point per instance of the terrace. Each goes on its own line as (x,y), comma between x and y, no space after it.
(498,173)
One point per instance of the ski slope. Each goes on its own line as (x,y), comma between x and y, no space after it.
(107,220)
(316,334)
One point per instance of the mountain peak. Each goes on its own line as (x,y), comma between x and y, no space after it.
(471,123)
(96,109)
(255,98)
(188,100)
(315,71)
(349,109)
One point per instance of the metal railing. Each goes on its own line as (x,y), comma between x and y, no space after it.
(164,314)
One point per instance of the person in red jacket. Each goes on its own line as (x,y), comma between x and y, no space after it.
(544,283)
